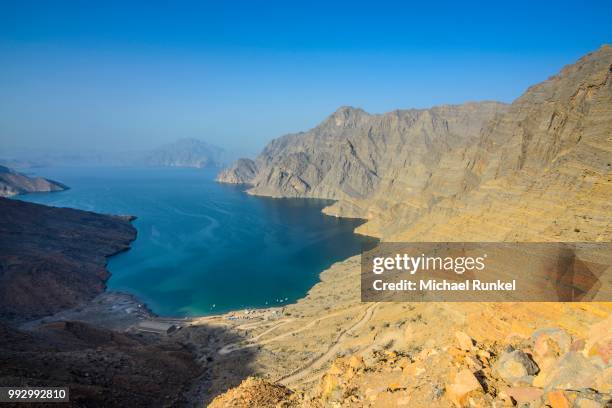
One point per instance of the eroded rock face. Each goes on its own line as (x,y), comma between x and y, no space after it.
(352,154)
(542,170)
(54,258)
(241,172)
(13,183)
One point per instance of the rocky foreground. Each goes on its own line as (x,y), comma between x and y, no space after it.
(550,368)
(13,183)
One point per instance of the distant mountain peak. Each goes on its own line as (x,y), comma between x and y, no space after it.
(186,152)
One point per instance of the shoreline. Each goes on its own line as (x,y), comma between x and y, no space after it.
(101,302)
(261,309)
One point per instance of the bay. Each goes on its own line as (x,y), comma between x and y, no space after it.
(204,247)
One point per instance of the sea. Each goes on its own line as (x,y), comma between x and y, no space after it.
(204,247)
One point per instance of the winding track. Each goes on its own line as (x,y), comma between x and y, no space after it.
(229,348)
(331,350)
(319,361)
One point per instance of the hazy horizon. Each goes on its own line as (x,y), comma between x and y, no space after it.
(113,77)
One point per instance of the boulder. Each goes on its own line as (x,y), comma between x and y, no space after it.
(356,363)
(572,371)
(551,340)
(524,394)
(463,384)
(557,399)
(465,342)
(516,367)
(599,342)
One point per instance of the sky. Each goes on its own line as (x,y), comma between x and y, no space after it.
(129,75)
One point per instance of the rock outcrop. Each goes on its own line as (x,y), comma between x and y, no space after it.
(255,392)
(54,258)
(13,183)
(243,171)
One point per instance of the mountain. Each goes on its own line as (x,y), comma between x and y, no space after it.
(243,171)
(537,168)
(13,183)
(372,164)
(186,153)
(59,260)
(541,171)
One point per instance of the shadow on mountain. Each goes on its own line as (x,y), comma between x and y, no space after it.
(221,371)
(104,368)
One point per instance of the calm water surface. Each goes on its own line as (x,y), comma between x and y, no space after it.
(205,247)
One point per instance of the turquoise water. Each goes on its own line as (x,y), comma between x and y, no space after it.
(205,247)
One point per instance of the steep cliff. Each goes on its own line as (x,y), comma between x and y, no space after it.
(13,183)
(542,171)
(352,155)
(241,172)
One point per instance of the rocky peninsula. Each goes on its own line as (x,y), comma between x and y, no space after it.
(13,183)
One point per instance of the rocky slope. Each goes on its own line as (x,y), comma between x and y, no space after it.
(353,154)
(102,368)
(243,171)
(13,183)
(186,153)
(331,350)
(548,368)
(541,172)
(54,258)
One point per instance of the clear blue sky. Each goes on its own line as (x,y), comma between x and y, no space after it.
(125,75)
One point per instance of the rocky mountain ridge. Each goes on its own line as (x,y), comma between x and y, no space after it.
(13,183)
(413,173)
(351,154)
(54,258)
